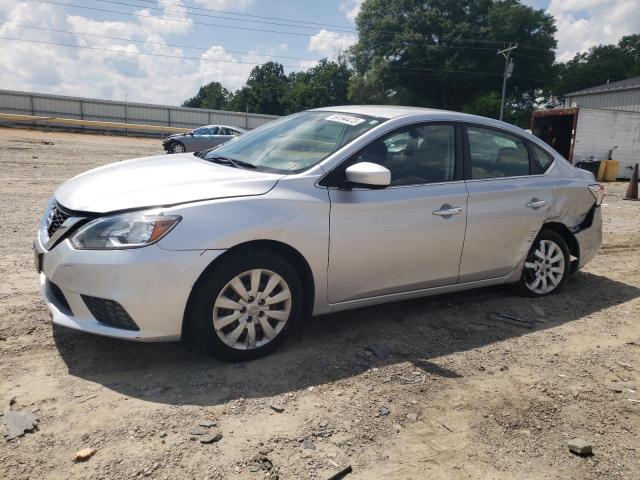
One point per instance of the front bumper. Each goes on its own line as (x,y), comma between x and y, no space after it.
(151,284)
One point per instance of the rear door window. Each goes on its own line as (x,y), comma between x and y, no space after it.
(494,154)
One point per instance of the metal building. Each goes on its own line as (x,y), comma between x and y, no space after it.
(623,95)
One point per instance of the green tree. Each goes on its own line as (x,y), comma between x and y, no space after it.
(600,64)
(321,86)
(264,91)
(417,52)
(487,105)
(213,96)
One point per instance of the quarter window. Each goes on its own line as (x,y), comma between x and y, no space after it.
(542,158)
(495,154)
(415,155)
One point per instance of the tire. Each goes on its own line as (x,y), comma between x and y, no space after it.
(538,278)
(245,325)
(177,147)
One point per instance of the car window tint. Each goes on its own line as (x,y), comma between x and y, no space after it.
(213,131)
(200,131)
(415,155)
(542,157)
(495,154)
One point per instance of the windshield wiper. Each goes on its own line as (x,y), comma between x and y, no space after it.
(231,162)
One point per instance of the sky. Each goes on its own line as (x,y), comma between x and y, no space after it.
(162,51)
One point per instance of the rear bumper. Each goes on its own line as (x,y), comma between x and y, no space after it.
(590,238)
(151,284)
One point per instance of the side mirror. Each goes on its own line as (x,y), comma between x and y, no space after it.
(368,174)
(191,134)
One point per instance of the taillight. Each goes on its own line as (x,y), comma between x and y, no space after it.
(598,192)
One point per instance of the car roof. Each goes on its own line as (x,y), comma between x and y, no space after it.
(232,127)
(392,111)
(381,111)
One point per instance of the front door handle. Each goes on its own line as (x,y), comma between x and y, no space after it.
(535,203)
(446,211)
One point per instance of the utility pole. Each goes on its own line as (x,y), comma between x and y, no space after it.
(508,70)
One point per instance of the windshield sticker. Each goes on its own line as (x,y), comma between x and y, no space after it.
(292,166)
(346,119)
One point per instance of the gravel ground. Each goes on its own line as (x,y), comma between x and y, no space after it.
(449,391)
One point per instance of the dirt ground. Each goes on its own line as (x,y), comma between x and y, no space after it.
(453,392)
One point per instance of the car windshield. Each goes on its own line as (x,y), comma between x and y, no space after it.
(295,143)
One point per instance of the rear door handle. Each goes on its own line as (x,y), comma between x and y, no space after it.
(535,203)
(446,211)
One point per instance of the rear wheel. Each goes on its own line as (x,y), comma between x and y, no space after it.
(547,266)
(245,305)
(177,147)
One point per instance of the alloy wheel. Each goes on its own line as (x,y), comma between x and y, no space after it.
(177,148)
(252,309)
(545,267)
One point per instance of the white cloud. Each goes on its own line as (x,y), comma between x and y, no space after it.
(585,23)
(329,43)
(225,69)
(225,4)
(175,11)
(169,78)
(351,8)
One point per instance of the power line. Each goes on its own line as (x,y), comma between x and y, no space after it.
(237,27)
(167,19)
(161,44)
(227,12)
(279,22)
(183,57)
(291,20)
(194,47)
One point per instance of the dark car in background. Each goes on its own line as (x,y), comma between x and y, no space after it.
(201,138)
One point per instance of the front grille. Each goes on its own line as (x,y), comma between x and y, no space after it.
(59,297)
(109,312)
(57,217)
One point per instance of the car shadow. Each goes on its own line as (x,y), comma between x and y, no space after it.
(336,346)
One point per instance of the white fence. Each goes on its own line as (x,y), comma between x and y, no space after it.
(44,105)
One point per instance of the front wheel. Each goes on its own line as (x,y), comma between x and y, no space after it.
(177,147)
(244,306)
(547,266)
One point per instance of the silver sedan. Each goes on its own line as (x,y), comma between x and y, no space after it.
(321,211)
(201,138)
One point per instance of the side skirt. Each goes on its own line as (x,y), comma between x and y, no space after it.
(365,302)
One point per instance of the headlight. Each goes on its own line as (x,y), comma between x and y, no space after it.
(132,230)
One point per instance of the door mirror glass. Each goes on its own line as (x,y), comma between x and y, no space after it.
(368,174)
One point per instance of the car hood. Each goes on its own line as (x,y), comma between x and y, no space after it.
(161,180)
